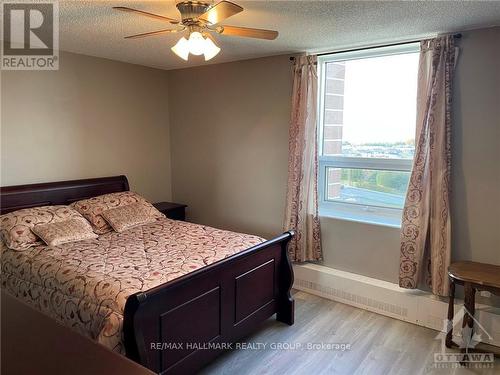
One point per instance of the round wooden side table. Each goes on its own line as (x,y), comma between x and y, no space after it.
(472,276)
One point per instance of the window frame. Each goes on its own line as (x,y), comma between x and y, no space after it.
(354,211)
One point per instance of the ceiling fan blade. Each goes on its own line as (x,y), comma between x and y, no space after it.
(147,14)
(220,12)
(248,32)
(165,31)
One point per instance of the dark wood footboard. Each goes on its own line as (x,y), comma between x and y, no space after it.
(178,327)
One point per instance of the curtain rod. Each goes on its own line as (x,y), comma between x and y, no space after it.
(456,36)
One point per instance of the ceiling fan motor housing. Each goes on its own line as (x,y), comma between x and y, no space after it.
(191,10)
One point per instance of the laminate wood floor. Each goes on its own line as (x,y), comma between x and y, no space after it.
(379,345)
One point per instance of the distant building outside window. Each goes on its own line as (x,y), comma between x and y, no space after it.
(367,110)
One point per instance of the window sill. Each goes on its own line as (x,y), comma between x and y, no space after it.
(384,222)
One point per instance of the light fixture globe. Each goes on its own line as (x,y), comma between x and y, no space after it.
(196,43)
(181,49)
(211,49)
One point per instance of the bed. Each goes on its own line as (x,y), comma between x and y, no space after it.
(171,295)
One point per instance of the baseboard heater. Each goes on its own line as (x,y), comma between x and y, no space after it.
(389,299)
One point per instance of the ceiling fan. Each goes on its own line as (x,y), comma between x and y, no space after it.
(200,18)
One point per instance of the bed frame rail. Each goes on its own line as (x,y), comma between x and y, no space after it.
(178,327)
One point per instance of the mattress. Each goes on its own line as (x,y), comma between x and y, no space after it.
(84,285)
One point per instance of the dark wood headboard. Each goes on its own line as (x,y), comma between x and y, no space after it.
(63,192)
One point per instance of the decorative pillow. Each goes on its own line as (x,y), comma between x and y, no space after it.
(93,208)
(16,227)
(129,216)
(71,230)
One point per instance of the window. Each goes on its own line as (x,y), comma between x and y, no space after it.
(367,111)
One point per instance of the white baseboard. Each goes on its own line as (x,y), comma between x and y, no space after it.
(382,297)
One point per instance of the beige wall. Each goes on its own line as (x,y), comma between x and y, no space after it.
(476,148)
(366,249)
(229,127)
(230,158)
(92,118)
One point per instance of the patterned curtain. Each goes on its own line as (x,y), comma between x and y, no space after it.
(426,227)
(301,212)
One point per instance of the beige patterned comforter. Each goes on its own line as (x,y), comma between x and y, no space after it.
(84,285)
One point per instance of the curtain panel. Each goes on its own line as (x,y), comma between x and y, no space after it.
(301,212)
(426,229)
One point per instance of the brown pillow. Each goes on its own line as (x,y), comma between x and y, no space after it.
(129,216)
(16,226)
(92,208)
(71,230)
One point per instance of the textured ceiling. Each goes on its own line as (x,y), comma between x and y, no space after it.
(93,28)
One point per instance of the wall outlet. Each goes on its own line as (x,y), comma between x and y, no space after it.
(485,293)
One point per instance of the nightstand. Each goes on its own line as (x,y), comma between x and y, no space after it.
(174,211)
